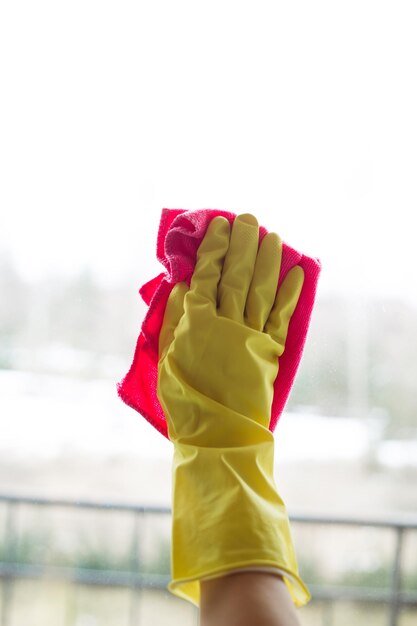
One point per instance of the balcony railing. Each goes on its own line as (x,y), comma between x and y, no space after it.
(394,597)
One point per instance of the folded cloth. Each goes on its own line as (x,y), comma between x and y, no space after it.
(179,236)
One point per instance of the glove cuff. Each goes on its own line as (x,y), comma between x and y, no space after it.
(227,517)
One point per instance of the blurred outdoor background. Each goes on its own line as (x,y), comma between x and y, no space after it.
(300,113)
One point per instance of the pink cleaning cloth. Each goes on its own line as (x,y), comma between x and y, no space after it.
(180,234)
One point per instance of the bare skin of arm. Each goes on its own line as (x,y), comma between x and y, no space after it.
(247,599)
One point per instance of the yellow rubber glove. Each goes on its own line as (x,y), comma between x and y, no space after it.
(220,344)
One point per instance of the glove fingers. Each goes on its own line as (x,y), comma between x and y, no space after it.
(238,267)
(173,312)
(284,306)
(210,256)
(263,288)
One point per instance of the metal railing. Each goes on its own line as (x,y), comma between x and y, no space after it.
(394,597)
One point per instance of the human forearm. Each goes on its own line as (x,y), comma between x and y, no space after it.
(247,599)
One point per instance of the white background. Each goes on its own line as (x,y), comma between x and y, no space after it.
(303,113)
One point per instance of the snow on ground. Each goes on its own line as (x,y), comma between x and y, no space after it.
(46,416)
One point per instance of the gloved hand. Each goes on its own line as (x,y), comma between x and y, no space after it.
(220,344)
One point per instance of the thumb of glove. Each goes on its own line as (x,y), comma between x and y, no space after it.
(173,313)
